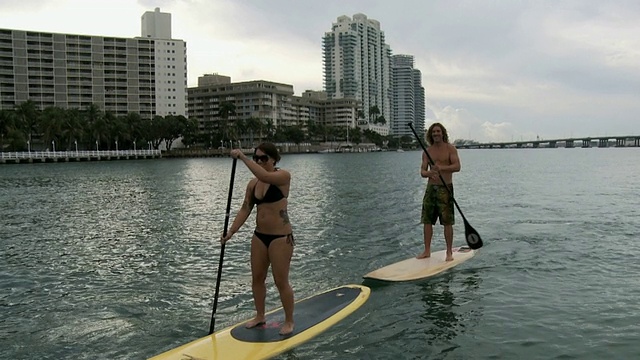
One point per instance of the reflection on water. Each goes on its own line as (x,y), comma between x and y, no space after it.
(441,320)
(289,355)
(451,308)
(118,260)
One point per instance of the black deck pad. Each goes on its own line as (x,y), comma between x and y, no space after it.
(307,313)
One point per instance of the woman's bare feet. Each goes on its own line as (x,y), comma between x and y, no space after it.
(449,257)
(255,322)
(286,329)
(424,255)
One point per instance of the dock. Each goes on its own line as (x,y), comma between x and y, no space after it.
(76,156)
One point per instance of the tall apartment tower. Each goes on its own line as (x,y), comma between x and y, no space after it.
(407,96)
(170,64)
(145,75)
(357,65)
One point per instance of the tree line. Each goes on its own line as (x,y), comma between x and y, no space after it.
(28,128)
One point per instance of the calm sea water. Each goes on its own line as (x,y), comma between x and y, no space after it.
(118,260)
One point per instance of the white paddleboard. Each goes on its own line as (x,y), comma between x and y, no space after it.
(414,269)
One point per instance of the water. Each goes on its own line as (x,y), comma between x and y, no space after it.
(118,260)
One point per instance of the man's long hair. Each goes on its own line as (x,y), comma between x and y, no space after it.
(445,135)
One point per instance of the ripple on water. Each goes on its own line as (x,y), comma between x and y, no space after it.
(119,259)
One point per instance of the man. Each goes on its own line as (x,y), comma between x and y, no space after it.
(438,202)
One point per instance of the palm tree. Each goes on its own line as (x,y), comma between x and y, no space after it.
(269,128)
(134,126)
(7,124)
(356,135)
(99,130)
(254,125)
(295,134)
(240,127)
(232,133)
(225,110)
(51,122)
(361,117)
(28,116)
(72,127)
(373,114)
(117,130)
(110,122)
(95,125)
(190,135)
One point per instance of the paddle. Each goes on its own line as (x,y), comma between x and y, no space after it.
(226,227)
(471,235)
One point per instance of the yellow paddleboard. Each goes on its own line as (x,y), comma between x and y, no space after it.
(414,269)
(312,316)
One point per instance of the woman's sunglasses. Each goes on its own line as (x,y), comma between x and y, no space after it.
(262,158)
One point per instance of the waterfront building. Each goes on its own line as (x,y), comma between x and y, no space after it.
(269,102)
(145,75)
(408,100)
(356,63)
(342,112)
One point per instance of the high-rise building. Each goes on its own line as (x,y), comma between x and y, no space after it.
(357,65)
(145,75)
(170,62)
(408,101)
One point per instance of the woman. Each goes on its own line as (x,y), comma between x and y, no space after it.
(272,242)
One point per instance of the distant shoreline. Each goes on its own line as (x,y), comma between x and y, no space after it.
(39,157)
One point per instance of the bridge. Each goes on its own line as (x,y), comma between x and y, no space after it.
(583,142)
(68,156)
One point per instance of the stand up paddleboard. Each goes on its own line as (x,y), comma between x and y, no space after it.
(312,316)
(414,269)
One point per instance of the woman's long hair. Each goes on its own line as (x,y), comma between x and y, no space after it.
(271,150)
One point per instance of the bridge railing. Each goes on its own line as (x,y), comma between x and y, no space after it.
(76,154)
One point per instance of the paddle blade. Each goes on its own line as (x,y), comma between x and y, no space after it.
(471,235)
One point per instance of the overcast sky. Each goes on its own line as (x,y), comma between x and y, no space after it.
(492,70)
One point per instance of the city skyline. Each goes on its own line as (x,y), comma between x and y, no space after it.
(491,71)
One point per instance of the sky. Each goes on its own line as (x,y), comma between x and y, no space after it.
(492,70)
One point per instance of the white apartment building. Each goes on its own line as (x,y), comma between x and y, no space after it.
(170,64)
(145,75)
(408,100)
(357,64)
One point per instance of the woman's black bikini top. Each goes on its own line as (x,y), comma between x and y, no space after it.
(272,195)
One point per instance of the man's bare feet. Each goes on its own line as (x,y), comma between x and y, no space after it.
(449,257)
(424,255)
(255,322)
(286,329)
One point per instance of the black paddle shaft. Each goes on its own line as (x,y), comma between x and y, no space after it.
(471,235)
(226,228)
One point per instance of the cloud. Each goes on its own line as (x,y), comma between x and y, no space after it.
(490,69)
(19,5)
(498,132)
(463,124)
